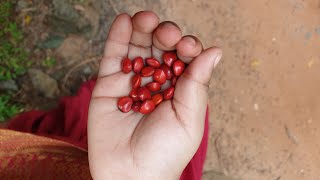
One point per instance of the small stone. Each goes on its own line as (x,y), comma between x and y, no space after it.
(9,85)
(66,19)
(22,4)
(52,41)
(301,172)
(256,106)
(87,70)
(79,7)
(72,49)
(43,83)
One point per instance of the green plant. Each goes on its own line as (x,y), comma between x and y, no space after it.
(7,109)
(49,62)
(13,59)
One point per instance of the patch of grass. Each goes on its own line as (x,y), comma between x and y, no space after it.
(7,109)
(13,59)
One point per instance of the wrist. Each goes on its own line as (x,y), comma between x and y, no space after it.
(125,175)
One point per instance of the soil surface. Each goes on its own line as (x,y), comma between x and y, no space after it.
(264,102)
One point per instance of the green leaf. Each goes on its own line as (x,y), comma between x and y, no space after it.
(49,62)
(8,110)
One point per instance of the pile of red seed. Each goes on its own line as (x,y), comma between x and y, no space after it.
(145,99)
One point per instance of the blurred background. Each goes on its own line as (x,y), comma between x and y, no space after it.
(264,102)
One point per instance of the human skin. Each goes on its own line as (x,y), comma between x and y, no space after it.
(158,145)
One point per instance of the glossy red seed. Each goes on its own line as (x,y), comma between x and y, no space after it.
(174,80)
(125,104)
(157,99)
(153,62)
(143,93)
(154,86)
(136,81)
(137,64)
(168,93)
(136,106)
(167,71)
(126,65)
(159,76)
(147,107)
(147,71)
(134,95)
(169,58)
(178,67)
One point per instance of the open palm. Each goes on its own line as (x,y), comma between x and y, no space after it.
(159,145)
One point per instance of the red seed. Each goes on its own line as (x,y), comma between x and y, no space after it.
(154,86)
(159,76)
(153,62)
(136,81)
(137,64)
(174,80)
(167,71)
(125,104)
(134,95)
(178,67)
(169,58)
(147,71)
(168,93)
(147,107)
(144,93)
(126,65)
(157,99)
(136,106)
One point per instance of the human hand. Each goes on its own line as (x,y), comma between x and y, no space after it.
(158,145)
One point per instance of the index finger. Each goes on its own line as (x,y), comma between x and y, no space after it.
(117,45)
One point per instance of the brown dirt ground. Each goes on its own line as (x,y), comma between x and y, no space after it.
(263,98)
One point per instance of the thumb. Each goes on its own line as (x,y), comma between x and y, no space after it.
(191,94)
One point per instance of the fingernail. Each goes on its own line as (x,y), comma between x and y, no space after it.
(169,23)
(190,40)
(217,59)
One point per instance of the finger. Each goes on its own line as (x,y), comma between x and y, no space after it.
(188,48)
(191,94)
(117,85)
(165,38)
(117,44)
(144,23)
